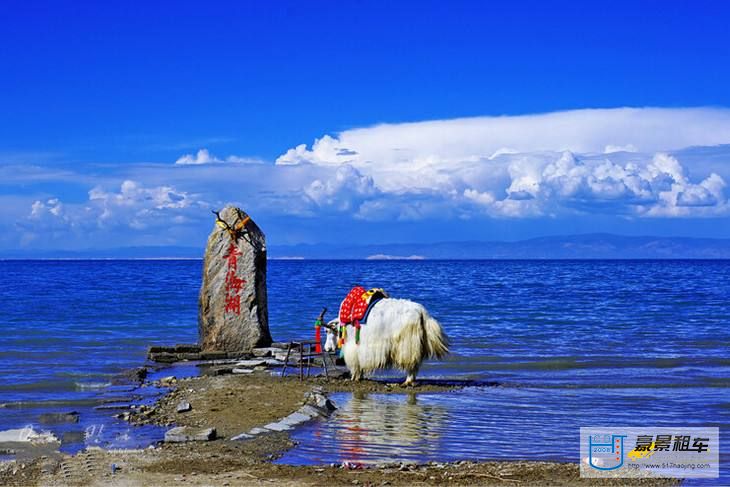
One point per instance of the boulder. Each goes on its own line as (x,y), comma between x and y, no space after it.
(232,307)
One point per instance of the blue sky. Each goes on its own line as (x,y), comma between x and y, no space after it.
(335,121)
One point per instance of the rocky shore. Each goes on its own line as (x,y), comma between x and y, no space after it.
(226,430)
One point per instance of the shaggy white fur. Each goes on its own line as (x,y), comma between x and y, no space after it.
(399,333)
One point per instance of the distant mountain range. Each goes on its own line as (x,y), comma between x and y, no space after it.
(152,252)
(592,246)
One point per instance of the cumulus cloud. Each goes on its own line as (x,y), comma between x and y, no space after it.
(344,191)
(139,206)
(133,206)
(625,163)
(203,156)
(581,131)
(608,161)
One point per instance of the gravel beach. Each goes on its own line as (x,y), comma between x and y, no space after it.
(236,404)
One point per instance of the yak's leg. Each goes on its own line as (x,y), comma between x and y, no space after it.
(411,377)
(356,375)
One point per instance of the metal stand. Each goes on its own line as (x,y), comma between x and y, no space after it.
(306,352)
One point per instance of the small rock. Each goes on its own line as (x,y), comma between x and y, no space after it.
(242,371)
(320,401)
(281,356)
(170,380)
(136,375)
(242,436)
(264,352)
(215,371)
(183,407)
(58,418)
(311,411)
(183,434)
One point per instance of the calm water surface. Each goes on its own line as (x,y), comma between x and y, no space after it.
(571,344)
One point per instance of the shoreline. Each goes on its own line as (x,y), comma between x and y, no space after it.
(235,404)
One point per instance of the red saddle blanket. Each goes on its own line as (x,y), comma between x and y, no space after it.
(355,306)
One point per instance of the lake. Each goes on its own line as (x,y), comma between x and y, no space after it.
(570,343)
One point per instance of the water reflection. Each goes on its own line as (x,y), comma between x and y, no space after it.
(490,423)
(400,425)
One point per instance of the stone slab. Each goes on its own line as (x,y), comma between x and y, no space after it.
(278,426)
(250,363)
(295,418)
(183,434)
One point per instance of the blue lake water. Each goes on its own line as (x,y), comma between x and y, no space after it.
(571,343)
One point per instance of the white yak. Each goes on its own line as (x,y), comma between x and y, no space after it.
(398,333)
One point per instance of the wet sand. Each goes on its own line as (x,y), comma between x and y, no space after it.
(234,404)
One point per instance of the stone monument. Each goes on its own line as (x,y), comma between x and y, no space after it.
(232,308)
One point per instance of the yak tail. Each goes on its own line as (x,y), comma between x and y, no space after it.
(437,343)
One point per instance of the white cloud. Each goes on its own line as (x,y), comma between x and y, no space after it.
(203,156)
(620,148)
(344,191)
(137,206)
(619,163)
(582,131)
(133,206)
(608,160)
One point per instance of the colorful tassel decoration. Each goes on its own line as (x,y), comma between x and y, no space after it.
(357,332)
(318,336)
